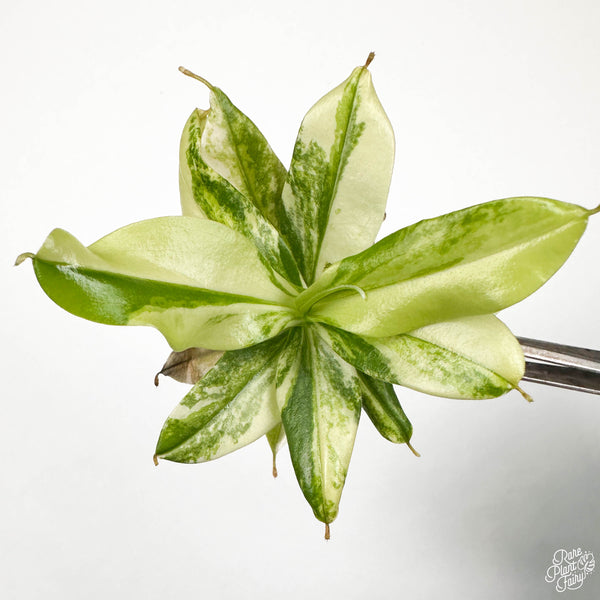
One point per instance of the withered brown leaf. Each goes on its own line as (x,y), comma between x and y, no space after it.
(189,366)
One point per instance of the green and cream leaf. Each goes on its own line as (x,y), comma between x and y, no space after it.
(321,399)
(381,404)
(198,282)
(335,195)
(231,406)
(205,192)
(470,358)
(475,261)
(192,131)
(235,148)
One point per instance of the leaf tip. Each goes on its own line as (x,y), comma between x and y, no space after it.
(23,257)
(327,532)
(156,381)
(413,450)
(155,459)
(524,394)
(594,211)
(194,76)
(369,59)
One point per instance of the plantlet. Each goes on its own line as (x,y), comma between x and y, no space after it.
(281,310)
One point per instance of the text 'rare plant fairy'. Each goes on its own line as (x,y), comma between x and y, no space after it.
(282,312)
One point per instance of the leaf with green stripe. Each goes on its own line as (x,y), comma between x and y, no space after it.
(232,146)
(321,399)
(198,282)
(381,404)
(231,406)
(210,159)
(471,358)
(471,262)
(335,195)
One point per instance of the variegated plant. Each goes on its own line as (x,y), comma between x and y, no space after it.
(282,312)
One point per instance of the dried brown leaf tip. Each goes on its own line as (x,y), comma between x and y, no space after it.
(189,366)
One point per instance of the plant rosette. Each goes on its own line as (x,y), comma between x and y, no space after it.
(282,311)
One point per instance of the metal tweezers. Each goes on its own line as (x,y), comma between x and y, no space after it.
(562,366)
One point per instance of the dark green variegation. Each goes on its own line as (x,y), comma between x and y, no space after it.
(283,314)
(383,408)
(321,400)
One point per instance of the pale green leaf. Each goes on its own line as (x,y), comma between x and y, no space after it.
(321,400)
(335,195)
(198,282)
(473,357)
(474,261)
(230,407)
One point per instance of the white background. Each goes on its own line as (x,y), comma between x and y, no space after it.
(488,100)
